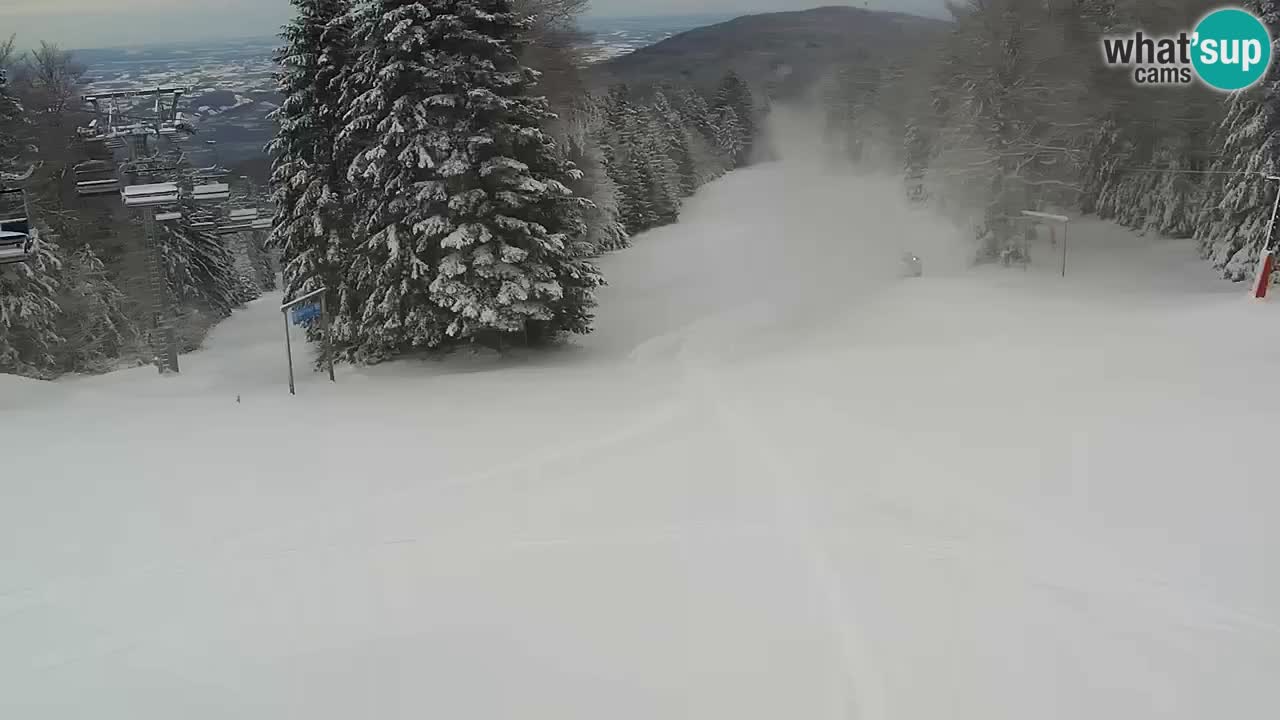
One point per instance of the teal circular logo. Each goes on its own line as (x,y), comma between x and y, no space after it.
(1231,49)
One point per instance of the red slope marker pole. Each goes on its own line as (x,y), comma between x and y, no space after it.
(1261,282)
(1266,263)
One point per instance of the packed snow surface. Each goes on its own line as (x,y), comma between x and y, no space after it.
(778,482)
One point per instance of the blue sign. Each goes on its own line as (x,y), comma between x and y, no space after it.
(304,314)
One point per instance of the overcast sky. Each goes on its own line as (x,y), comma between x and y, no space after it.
(108,23)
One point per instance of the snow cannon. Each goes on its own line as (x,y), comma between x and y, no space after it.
(1262,281)
(912,266)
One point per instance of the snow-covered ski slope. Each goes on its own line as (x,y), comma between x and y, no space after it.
(778,482)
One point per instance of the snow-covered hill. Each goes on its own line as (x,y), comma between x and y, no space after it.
(777,482)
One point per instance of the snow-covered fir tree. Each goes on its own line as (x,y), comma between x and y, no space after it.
(200,270)
(28,291)
(734,94)
(584,138)
(95,327)
(665,189)
(29,314)
(642,163)
(312,226)
(11,119)
(1232,222)
(587,145)
(676,138)
(916,151)
(605,230)
(731,137)
(709,163)
(468,228)
(633,170)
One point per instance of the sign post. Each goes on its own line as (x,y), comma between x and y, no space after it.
(1266,261)
(304,311)
(1066,222)
(288,348)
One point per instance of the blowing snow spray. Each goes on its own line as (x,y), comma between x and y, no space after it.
(1229,50)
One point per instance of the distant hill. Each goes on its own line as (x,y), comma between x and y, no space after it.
(785,51)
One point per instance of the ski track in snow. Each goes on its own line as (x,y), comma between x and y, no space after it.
(776,482)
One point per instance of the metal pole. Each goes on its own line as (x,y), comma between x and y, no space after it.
(328,338)
(1065,233)
(166,356)
(1266,245)
(288,349)
(171,342)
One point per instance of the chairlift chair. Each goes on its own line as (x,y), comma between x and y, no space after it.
(232,228)
(204,221)
(211,192)
(242,215)
(149,195)
(92,132)
(211,173)
(18,240)
(95,177)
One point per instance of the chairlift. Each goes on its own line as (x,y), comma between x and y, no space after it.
(177,129)
(211,192)
(18,240)
(95,177)
(149,195)
(209,174)
(233,228)
(92,132)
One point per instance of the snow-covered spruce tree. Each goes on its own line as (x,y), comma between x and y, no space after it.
(1011,112)
(312,224)
(95,327)
(1109,151)
(633,173)
(12,121)
(640,163)
(28,291)
(735,94)
(1232,223)
(587,145)
(200,270)
(468,227)
(619,111)
(675,136)
(916,153)
(29,314)
(647,177)
(664,190)
(605,231)
(731,138)
(1236,210)
(633,178)
(696,115)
